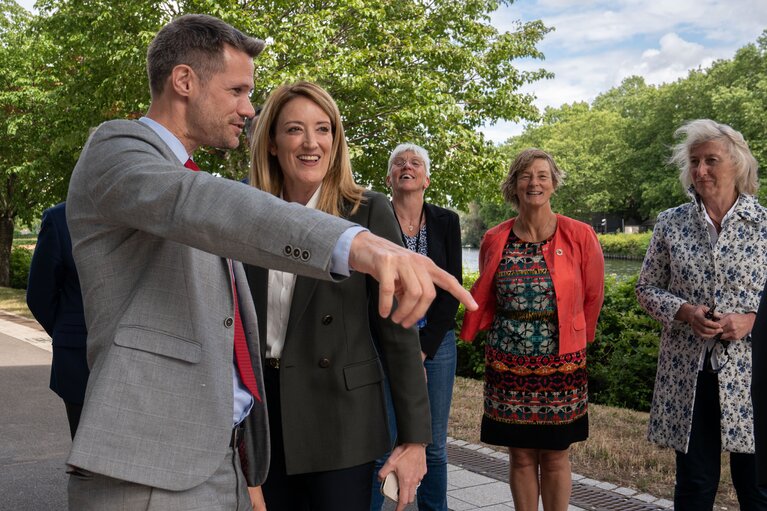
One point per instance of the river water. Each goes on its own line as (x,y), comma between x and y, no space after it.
(620,267)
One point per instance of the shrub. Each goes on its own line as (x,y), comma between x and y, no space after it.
(471,356)
(21,258)
(623,359)
(627,245)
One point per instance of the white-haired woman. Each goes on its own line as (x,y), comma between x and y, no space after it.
(702,278)
(436,233)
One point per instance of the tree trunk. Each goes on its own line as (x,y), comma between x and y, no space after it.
(6,243)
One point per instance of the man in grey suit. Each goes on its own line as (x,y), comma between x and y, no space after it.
(164,401)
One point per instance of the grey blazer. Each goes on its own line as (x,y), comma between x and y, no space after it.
(158,407)
(331,380)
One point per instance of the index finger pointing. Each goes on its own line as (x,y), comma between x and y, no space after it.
(447,282)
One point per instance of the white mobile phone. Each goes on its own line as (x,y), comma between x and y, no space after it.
(390,487)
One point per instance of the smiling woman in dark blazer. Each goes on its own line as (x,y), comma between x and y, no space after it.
(323,377)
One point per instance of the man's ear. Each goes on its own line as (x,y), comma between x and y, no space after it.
(183,79)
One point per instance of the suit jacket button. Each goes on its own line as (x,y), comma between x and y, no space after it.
(327,319)
(324,363)
(288,250)
(228,322)
(296,253)
(305,255)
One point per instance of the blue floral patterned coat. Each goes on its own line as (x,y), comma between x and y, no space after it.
(680,266)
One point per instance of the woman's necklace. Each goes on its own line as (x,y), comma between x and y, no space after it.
(410,226)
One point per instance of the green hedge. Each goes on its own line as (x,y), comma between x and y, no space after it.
(621,361)
(21,258)
(627,245)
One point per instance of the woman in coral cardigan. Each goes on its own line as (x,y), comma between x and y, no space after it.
(540,290)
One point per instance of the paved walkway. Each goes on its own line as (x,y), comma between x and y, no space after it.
(36,440)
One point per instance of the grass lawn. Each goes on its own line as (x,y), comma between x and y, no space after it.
(616,451)
(14,300)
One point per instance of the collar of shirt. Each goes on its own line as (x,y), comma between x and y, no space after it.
(713,235)
(169,138)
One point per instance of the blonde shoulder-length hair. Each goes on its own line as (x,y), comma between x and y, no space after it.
(340,194)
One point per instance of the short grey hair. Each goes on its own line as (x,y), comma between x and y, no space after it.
(520,164)
(699,132)
(411,148)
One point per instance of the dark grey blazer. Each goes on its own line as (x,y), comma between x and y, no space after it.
(331,389)
(148,238)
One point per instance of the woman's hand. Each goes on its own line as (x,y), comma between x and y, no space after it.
(257,498)
(736,326)
(695,316)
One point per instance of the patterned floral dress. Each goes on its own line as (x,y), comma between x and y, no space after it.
(534,398)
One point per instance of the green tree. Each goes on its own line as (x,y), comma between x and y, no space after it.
(587,146)
(24,80)
(427,72)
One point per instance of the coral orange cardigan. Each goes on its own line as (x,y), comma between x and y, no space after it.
(576,265)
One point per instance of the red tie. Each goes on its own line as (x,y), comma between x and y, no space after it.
(191,165)
(241,353)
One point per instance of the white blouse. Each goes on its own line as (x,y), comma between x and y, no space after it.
(279,299)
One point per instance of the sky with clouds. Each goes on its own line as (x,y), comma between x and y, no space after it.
(595,44)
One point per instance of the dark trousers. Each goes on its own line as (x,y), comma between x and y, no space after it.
(698,471)
(347,489)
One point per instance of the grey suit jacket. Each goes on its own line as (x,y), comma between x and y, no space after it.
(158,407)
(331,380)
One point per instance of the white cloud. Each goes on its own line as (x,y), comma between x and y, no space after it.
(596,44)
(672,60)
(502,131)
(28,5)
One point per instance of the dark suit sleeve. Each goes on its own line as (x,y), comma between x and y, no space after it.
(399,345)
(45,275)
(759,389)
(441,315)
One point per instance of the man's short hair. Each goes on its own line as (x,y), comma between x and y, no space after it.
(198,41)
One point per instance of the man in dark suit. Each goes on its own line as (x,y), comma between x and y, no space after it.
(759,388)
(167,309)
(53,296)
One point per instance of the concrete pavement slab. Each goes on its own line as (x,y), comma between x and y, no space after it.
(33,429)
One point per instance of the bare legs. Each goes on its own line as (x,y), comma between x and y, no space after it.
(554,485)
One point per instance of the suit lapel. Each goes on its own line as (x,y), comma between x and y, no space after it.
(434,233)
(302,295)
(258,282)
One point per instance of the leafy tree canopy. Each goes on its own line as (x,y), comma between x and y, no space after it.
(615,151)
(427,72)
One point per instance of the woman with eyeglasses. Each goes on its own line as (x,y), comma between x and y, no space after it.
(436,233)
(702,278)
